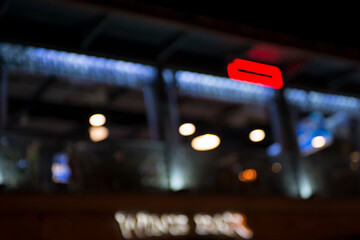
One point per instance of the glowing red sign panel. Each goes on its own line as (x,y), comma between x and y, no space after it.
(255,73)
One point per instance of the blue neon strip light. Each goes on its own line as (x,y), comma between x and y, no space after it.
(128,74)
(225,89)
(221,88)
(328,103)
(76,66)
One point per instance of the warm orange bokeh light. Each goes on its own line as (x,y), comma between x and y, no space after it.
(247,175)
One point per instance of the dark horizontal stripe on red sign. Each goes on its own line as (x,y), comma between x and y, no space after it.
(255,73)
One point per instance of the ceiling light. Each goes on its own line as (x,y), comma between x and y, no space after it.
(257,135)
(187,129)
(205,142)
(318,142)
(97,120)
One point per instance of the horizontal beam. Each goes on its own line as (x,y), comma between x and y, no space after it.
(127,74)
(76,66)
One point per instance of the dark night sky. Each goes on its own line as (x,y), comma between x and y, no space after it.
(334,23)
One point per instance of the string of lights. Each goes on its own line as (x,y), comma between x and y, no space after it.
(225,89)
(135,75)
(76,66)
(325,102)
(221,88)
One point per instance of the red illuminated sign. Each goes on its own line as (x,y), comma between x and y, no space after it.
(255,73)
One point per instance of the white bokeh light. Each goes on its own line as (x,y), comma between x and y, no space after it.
(257,135)
(205,142)
(318,142)
(97,120)
(98,134)
(187,129)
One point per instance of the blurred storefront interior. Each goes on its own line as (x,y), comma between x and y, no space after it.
(118,121)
